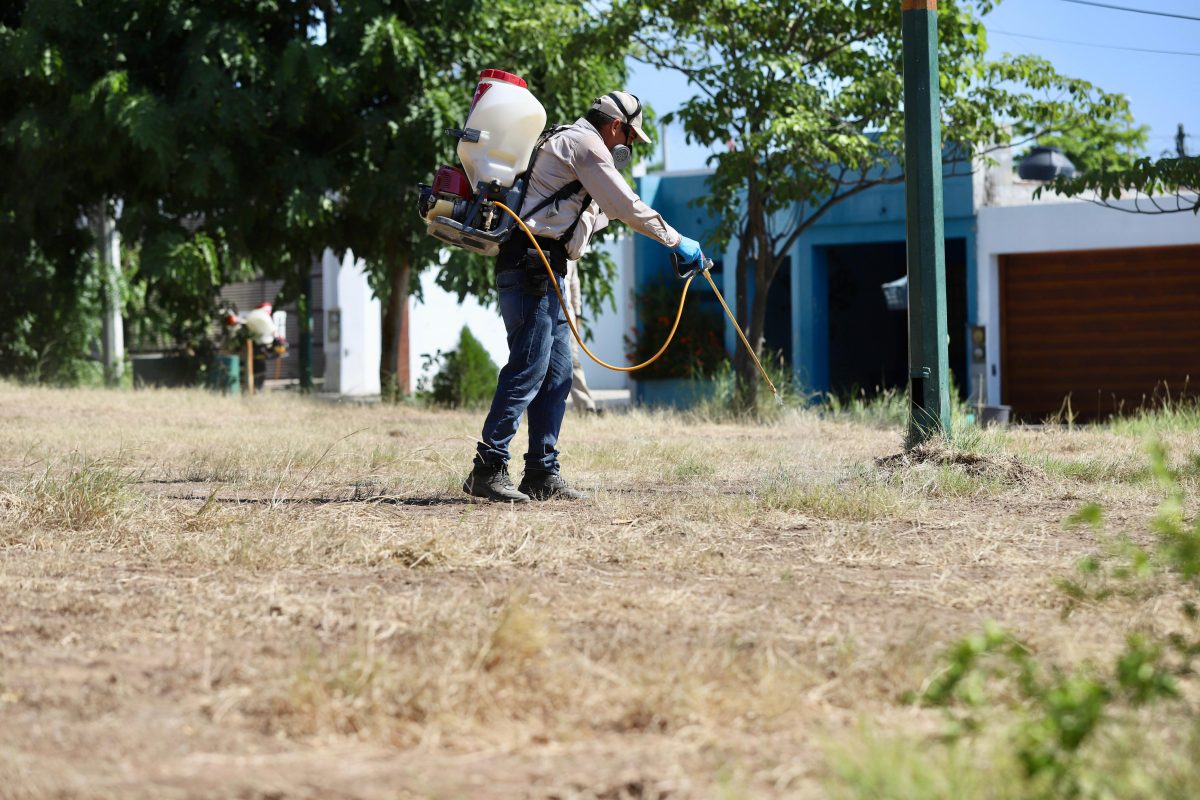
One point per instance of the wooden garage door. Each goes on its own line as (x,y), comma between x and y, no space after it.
(1107,327)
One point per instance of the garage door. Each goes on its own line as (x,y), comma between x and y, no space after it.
(1109,328)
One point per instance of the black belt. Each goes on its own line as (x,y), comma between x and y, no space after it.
(513,250)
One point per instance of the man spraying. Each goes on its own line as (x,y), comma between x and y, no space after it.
(575,187)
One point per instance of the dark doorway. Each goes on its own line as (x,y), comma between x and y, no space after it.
(868,343)
(777,330)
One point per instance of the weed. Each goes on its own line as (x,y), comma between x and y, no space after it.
(887,408)
(723,405)
(1096,470)
(853,500)
(215,467)
(693,469)
(87,496)
(1066,709)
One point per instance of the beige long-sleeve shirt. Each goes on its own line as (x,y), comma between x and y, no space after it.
(578,153)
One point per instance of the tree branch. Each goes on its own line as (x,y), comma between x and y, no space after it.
(829,203)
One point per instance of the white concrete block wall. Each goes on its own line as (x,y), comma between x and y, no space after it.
(610,325)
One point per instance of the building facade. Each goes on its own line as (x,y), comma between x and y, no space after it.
(1047,298)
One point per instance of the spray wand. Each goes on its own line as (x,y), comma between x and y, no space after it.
(686,273)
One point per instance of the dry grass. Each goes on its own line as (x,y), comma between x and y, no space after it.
(211,597)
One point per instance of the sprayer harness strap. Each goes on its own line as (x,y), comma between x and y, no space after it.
(562,194)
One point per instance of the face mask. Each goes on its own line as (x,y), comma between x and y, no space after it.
(621,155)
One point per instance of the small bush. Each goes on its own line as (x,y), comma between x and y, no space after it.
(467,376)
(698,349)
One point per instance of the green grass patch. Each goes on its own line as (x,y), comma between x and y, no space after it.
(1172,416)
(884,409)
(1096,470)
(853,500)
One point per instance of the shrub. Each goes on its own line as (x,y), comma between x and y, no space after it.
(698,349)
(467,376)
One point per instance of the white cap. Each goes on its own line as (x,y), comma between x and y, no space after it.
(625,107)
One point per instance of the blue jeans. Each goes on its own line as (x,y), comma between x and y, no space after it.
(537,377)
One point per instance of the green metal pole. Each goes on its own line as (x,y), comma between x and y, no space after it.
(928,361)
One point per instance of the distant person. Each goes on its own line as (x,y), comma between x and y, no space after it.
(574,188)
(581,395)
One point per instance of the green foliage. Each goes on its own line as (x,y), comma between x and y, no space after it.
(1064,712)
(698,349)
(1176,178)
(253,135)
(1096,145)
(49,315)
(467,377)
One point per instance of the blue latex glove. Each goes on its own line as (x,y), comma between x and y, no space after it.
(688,250)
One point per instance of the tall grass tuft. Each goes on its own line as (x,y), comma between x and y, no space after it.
(1171,416)
(887,408)
(87,496)
(723,405)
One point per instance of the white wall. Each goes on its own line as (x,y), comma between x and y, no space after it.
(609,326)
(352,362)
(438,319)
(1058,225)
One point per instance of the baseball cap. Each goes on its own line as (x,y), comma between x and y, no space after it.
(625,107)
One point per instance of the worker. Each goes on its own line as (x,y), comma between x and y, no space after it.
(575,187)
(581,395)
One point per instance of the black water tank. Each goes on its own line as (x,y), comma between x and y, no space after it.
(1045,164)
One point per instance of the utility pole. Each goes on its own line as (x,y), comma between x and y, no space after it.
(928,361)
(108,262)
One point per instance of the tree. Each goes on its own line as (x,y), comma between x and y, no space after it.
(1162,186)
(415,67)
(806,102)
(171,114)
(1095,145)
(235,136)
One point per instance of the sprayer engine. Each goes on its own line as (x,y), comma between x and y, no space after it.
(449,196)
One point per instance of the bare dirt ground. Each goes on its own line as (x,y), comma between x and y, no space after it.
(280,598)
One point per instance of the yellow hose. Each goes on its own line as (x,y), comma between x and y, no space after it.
(674,325)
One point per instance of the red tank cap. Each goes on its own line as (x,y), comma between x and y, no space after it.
(501,75)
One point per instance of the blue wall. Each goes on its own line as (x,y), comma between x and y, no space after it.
(672,196)
(875,216)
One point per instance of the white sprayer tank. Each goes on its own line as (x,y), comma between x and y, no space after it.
(509,120)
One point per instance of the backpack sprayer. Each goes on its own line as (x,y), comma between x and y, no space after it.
(497,146)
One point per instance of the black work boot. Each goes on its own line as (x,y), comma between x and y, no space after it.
(542,484)
(491,481)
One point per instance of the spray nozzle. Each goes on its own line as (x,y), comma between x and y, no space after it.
(688,269)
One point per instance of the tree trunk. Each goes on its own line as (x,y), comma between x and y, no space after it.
(755,257)
(393,367)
